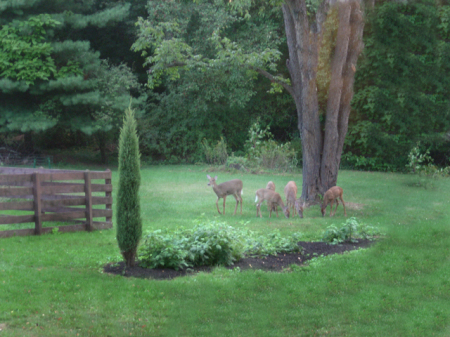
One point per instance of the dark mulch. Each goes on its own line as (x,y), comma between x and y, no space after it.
(269,263)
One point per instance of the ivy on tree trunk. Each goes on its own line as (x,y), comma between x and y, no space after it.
(322,147)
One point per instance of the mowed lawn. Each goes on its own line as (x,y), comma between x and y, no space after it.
(53,285)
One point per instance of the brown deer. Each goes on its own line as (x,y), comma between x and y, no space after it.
(270,186)
(299,206)
(290,191)
(232,187)
(273,200)
(330,197)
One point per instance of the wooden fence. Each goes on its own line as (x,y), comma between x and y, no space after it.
(49,195)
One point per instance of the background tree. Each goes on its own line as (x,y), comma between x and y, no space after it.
(62,81)
(129,223)
(402,88)
(191,103)
(322,144)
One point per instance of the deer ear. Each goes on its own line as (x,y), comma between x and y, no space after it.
(215,178)
(207,176)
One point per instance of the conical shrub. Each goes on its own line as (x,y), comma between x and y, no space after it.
(129,223)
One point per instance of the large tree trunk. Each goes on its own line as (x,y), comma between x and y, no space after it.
(322,151)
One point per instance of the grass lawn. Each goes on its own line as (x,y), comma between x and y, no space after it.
(53,285)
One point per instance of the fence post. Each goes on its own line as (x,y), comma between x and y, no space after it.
(108,194)
(37,203)
(88,196)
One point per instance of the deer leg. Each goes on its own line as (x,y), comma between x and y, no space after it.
(217,204)
(224,198)
(237,203)
(337,204)
(331,204)
(240,197)
(258,210)
(343,204)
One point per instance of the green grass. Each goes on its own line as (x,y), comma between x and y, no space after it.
(53,285)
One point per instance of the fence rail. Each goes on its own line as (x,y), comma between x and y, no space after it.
(49,195)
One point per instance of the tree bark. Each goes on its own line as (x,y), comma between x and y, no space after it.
(322,151)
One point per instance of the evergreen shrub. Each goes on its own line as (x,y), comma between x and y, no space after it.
(129,223)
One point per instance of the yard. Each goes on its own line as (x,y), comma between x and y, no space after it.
(55,285)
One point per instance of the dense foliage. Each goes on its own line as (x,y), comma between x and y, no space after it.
(402,86)
(129,222)
(67,71)
(52,77)
(203,91)
(209,244)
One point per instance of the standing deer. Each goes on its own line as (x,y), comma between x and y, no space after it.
(232,187)
(290,191)
(273,200)
(330,197)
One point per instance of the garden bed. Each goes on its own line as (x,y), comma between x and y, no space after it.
(269,263)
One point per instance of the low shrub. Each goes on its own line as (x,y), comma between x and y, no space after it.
(210,244)
(276,156)
(217,154)
(351,231)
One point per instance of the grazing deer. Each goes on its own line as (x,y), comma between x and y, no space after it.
(290,191)
(271,186)
(330,197)
(273,200)
(232,187)
(299,206)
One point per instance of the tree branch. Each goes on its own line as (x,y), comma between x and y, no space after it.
(273,79)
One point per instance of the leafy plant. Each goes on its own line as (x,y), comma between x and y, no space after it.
(237,163)
(256,137)
(278,156)
(216,155)
(417,159)
(210,244)
(351,231)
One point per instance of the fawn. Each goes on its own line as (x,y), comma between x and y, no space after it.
(231,187)
(273,200)
(330,197)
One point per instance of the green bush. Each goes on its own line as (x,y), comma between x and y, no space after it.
(277,157)
(263,151)
(351,231)
(215,155)
(209,245)
(129,223)
(237,163)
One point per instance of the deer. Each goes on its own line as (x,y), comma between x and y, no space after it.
(273,200)
(299,206)
(330,197)
(270,186)
(231,187)
(290,191)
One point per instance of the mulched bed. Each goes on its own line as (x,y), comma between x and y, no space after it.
(269,263)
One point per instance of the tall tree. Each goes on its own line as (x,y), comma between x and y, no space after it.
(402,91)
(305,28)
(50,75)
